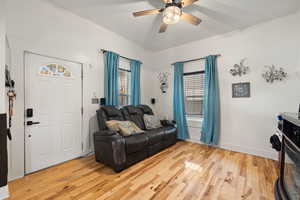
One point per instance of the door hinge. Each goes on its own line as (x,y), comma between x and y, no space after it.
(82,146)
(82,110)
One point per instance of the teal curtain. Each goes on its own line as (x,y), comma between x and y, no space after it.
(135,66)
(111,62)
(211,122)
(178,102)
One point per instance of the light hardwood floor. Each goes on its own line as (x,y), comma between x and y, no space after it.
(184,171)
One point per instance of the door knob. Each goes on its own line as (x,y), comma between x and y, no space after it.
(29,123)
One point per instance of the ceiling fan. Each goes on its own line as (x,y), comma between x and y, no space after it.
(172,13)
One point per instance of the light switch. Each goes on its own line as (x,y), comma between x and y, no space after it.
(95,101)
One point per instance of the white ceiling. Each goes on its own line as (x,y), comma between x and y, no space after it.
(219,16)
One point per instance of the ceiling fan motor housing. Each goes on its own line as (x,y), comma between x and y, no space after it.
(179,5)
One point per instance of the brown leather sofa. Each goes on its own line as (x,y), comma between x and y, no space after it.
(3,151)
(119,152)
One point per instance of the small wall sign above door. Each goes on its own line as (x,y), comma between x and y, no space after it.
(55,70)
(241,90)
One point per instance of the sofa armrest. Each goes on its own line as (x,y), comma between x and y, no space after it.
(110,149)
(166,123)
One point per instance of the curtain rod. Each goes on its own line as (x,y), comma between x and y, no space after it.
(103,51)
(186,61)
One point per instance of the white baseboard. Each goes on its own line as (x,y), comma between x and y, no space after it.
(272,154)
(88,153)
(15,178)
(4,193)
(252,151)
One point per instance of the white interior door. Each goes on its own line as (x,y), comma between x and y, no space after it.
(53,90)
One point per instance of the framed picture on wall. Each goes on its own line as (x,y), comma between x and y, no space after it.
(241,90)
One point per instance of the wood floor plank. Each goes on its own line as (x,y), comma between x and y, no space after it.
(185,171)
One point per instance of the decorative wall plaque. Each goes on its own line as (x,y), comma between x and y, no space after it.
(163,79)
(241,90)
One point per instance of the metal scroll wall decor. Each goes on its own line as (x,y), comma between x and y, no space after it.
(240,69)
(11,94)
(163,79)
(272,74)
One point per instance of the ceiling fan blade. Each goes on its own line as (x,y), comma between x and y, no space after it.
(190,18)
(163,28)
(186,3)
(147,12)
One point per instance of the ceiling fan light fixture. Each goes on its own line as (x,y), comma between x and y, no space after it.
(171,15)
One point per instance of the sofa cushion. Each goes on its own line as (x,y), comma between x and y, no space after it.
(112,113)
(132,110)
(101,117)
(151,122)
(146,109)
(134,114)
(155,135)
(136,143)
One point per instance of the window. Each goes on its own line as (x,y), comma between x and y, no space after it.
(124,82)
(194,93)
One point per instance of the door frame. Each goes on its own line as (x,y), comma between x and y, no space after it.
(25,53)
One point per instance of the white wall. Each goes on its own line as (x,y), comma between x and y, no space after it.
(39,27)
(246,124)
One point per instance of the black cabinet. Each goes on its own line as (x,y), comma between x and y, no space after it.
(3,150)
(287,186)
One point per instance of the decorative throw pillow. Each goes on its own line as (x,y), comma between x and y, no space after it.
(151,122)
(113,125)
(126,128)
